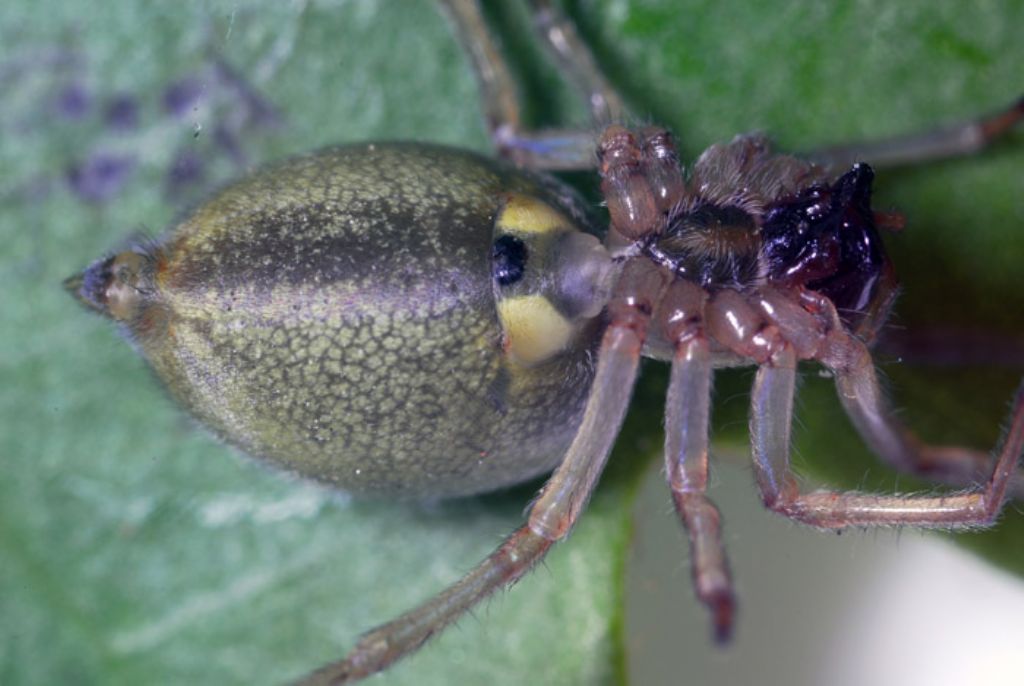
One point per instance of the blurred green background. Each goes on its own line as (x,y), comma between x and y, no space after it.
(135,549)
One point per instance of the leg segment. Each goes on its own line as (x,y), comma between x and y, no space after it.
(862,398)
(551,516)
(771,416)
(577,62)
(775,328)
(386,644)
(686,456)
(551,149)
(500,99)
(641,179)
(965,138)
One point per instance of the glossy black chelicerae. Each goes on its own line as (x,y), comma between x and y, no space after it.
(417,321)
(825,238)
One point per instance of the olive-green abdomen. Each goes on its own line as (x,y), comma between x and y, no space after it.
(336,315)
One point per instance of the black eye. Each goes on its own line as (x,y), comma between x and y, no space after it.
(508,260)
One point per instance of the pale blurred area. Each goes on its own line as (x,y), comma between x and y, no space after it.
(880,608)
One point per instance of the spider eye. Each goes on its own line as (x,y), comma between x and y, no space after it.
(508,260)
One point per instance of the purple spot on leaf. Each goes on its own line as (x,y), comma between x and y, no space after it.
(187,169)
(255,110)
(100,177)
(182,96)
(227,141)
(122,112)
(73,101)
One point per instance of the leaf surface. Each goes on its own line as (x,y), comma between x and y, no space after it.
(134,549)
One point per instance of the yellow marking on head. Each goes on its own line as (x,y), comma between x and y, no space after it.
(534,329)
(526,214)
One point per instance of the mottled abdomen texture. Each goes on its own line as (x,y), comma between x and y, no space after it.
(335,315)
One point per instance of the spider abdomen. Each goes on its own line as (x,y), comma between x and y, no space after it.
(343,315)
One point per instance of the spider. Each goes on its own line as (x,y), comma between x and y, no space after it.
(751,258)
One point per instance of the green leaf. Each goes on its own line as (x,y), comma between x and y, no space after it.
(134,549)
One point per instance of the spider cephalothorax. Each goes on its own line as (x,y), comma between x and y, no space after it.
(750,217)
(746,217)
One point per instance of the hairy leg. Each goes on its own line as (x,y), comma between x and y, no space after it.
(546,149)
(577,62)
(771,417)
(554,512)
(862,398)
(769,323)
(687,410)
(958,140)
